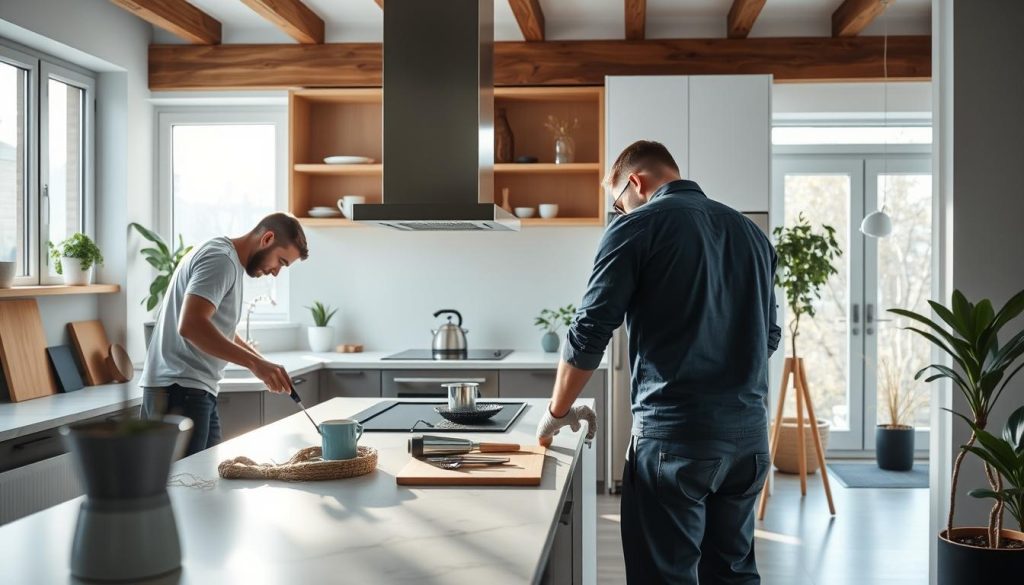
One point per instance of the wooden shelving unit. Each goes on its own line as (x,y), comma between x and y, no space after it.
(57,289)
(325,122)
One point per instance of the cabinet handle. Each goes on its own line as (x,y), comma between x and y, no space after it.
(298,381)
(347,372)
(30,442)
(566,518)
(440,380)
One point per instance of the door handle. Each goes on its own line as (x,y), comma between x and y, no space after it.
(341,373)
(855,318)
(297,381)
(440,380)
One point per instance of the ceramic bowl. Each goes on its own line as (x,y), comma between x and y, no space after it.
(525,212)
(548,210)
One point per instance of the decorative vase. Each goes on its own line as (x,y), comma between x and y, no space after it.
(960,563)
(504,141)
(73,273)
(565,150)
(549,341)
(320,338)
(787,457)
(894,447)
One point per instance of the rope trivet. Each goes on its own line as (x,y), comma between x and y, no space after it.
(306,465)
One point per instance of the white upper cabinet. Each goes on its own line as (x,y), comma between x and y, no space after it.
(646,108)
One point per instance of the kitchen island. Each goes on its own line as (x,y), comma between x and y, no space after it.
(363,530)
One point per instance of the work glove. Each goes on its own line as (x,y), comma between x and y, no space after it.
(549,424)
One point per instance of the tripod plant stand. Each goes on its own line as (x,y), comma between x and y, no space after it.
(794,367)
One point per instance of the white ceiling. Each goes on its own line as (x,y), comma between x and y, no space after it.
(360,20)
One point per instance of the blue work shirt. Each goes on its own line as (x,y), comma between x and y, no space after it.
(694,280)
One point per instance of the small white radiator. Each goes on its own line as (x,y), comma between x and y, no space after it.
(37,486)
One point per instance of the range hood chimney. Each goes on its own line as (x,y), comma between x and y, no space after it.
(438,119)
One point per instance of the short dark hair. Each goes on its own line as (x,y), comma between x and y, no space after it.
(642,154)
(287,230)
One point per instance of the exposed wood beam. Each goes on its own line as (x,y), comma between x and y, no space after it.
(177,17)
(742,16)
(175,67)
(853,16)
(530,18)
(636,19)
(293,17)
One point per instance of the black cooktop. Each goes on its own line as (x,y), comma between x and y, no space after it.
(420,416)
(473,354)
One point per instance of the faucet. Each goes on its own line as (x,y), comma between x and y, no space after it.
(248,314)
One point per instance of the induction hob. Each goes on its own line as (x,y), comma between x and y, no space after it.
(473,354)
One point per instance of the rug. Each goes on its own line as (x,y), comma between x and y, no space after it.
(868,475)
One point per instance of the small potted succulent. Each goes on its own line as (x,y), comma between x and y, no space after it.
(165,260)
(75,257)
(321,335)
(550,321)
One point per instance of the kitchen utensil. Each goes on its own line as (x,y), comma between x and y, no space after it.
(462,395)
(466,460)
(340,438)
(525,212)
(548,210)
(478,415)
(347,160)
(90,342)
(23,351)
(524,468)
(434,445)
(298,400)
(63,360)
(347,201)
(7,272)
(324,213)
(121,368)
(450,337)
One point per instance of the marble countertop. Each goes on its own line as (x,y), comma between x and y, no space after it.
(359,530)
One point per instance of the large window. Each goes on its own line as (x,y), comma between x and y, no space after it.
(45,160)
(220,172)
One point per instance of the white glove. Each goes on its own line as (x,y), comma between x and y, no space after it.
(549,424)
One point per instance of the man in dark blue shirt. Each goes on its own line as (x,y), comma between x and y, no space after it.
(694,280)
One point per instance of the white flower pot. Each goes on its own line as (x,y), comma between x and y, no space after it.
(321,338)
(73,273)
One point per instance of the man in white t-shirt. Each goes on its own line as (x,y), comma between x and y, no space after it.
(195,337)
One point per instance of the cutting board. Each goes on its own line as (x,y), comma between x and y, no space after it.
(23,351)
(524,468)
(63,360)
(90,342)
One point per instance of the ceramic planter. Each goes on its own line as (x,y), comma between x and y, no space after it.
(894,447)
(73,273)
(961,564)
(320,338)
(787,459)
(549,341)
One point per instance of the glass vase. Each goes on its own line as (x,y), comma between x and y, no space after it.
(565,150)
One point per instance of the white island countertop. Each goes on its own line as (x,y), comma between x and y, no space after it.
(364,530)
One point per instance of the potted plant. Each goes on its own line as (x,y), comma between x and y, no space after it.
(321,335)
(550,321)
(982,369)
(805,265)
(75,257)
(894,440)
(165,261)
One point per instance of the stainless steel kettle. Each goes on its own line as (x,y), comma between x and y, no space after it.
(449,338)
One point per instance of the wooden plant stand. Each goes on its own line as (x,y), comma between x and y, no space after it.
(795,367)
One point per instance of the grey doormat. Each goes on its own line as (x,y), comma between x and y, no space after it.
(868,475)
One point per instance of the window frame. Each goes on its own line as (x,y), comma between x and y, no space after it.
(30,63)
(169,116)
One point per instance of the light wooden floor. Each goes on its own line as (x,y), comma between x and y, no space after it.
(878,537)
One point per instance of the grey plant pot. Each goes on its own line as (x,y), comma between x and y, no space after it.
(549,341)
(894,447)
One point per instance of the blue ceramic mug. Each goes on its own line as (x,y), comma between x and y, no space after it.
(340,438)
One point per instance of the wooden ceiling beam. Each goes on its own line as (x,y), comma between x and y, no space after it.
(226,67)
(293,17)
(741,17)
(530,18)
(636,20)
(853,16)
(177,17)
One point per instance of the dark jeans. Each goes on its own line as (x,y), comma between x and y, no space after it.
(198,405)
(688,510)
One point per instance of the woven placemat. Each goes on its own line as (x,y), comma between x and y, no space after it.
(306,465)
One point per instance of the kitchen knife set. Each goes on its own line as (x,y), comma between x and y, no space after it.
(454,453)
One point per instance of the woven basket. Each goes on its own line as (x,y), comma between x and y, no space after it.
(306,465)
(787,457)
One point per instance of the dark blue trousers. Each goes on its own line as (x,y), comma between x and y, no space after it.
(195,403)
(688,510)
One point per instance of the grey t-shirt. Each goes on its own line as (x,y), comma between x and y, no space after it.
(214,272)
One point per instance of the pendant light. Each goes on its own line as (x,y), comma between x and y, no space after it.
(878,224)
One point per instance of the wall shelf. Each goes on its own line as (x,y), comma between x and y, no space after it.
(547,168)
(57,289)
(325,169)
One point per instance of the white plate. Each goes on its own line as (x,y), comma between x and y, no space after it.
(347,160)
(324,213)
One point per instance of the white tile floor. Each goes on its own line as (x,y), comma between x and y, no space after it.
(878,537)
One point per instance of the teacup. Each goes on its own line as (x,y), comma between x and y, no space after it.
(340,438)
(347,201)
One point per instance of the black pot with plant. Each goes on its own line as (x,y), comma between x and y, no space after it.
(982,368)
(165,261)
(894,440)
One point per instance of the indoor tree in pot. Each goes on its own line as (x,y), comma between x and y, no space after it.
(982,369)
(165,261)
(550,321)
(894,441)
(321,335)
(75,258)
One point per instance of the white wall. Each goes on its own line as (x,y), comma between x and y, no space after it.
(389,283)
(907,99)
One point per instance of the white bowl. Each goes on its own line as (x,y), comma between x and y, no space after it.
(524,212)
(324,212)
(347,160)
(548,210)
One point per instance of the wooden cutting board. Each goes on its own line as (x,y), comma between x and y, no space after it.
(524,468)
(90,342)
(23,351)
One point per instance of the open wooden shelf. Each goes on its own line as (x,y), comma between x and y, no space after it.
(547,168)
(325,169)
(57,289)
(562,222)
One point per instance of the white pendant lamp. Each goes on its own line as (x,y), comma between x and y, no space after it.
(878,224)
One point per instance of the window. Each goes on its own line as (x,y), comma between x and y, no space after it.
(801,135)
(46,130)
(220,173)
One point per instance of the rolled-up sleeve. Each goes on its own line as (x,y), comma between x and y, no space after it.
(612,283)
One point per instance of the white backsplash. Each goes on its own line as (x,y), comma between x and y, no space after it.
(388,284)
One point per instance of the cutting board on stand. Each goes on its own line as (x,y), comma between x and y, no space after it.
(90,342)
(23,351)
(524,468)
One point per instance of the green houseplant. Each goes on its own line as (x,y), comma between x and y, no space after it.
(982,369)
(1004,454)
(165,261)
(321,335)
(75,257)
(550,321)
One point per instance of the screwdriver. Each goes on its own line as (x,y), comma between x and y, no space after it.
(298,400)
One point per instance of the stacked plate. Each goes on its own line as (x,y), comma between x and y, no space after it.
(321,211)
(348,160)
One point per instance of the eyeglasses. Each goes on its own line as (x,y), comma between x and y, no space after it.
(617,207)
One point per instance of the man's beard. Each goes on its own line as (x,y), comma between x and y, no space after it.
(256,261)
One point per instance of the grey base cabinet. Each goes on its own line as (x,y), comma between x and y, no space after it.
(278,406)
(349,384)
(427,383)
(240,412)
